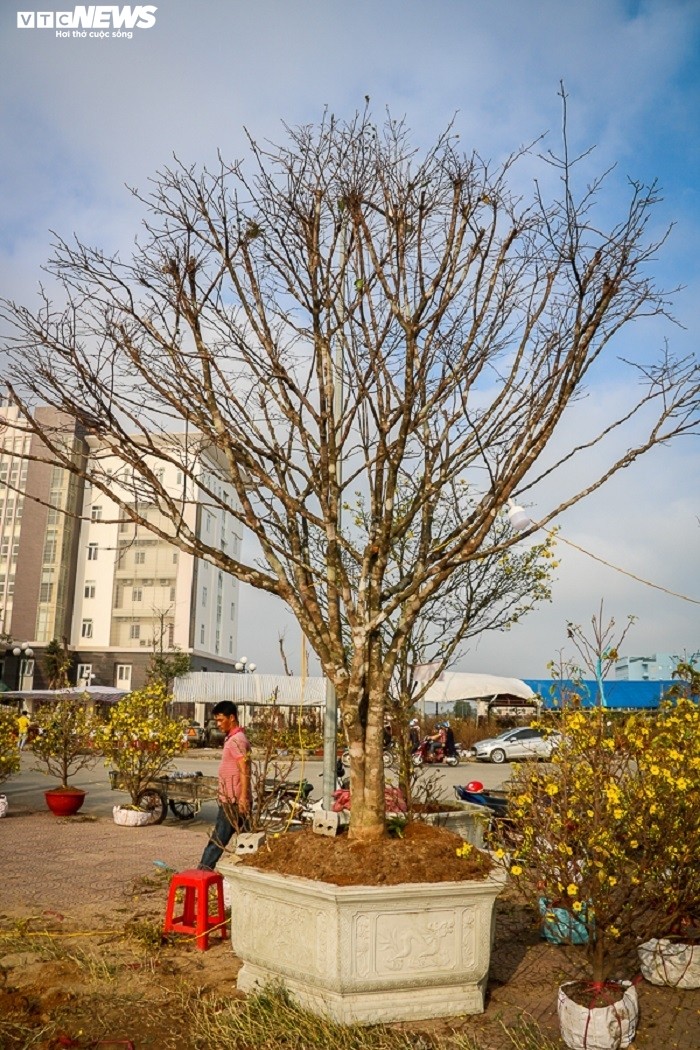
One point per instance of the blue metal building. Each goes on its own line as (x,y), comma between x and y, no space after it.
(620,695)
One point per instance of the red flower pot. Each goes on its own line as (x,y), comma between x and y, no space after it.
(64,802)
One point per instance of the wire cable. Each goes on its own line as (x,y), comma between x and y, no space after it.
(624,572)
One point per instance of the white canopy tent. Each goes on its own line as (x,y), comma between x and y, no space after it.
(478,689)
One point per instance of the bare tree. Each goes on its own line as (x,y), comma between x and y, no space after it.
(347,313)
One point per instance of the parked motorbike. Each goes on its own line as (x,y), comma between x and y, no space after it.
(476,793)
(389,757)
(496,805)
(430,752)
(288,803)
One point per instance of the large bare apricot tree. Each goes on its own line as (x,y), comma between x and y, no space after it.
(344,313)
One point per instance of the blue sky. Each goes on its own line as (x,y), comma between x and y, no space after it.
(82,118)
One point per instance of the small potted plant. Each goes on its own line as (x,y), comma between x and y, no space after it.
(139,742)
(64,745)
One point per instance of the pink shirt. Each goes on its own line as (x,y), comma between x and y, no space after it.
(236,750)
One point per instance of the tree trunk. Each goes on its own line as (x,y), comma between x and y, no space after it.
(362,711)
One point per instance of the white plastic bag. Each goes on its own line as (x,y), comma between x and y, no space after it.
(601,1028)
(132,818)
(670,963)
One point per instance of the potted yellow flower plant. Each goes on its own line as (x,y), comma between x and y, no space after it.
(139,742)
(65,744)
(608,834)
(9,752)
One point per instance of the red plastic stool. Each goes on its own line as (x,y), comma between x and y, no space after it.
(196,918)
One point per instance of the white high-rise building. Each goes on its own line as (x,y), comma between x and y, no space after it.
(115,591)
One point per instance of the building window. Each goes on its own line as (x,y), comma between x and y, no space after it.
(139,558)
(89,591)
(134,631)
(201,634)
(92,552)
(86,629)
(171,635)
(96,514)
(45,592)
(204,597)
(137,594)
(174,557)
(172,594)
(123,676)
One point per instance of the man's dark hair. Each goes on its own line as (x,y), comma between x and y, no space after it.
(225,707)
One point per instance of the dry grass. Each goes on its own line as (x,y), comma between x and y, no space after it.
(131,981)
(270,1020)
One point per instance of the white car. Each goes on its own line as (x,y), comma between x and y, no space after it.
(516,743)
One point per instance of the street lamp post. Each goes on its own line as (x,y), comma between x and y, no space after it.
(243,667)
(25,669)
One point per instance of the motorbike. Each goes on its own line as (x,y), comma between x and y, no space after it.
(288,803)
(388,757)
(496,805)
(430,752)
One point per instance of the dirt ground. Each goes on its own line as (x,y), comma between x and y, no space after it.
(83,964)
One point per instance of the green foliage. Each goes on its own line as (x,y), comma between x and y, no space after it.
(66,742)
(141,739)
(57,663)
(9,753)
(165,665)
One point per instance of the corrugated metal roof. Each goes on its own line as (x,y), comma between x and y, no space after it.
(211,687)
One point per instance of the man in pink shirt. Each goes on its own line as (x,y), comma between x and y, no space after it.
(234,785)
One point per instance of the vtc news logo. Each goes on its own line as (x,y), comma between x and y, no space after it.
(100,19)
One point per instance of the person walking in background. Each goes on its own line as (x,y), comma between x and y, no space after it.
(235,798)
(23,724)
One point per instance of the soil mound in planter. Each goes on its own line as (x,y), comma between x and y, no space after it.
(425,854)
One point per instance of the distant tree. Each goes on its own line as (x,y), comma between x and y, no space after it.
(167,662)
(57,662)
(346,312)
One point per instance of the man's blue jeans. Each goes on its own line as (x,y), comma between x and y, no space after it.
(222,834)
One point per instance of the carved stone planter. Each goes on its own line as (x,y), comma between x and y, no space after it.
(468,820)
(365,953)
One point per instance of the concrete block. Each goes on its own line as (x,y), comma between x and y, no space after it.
(249,842)
(326,822)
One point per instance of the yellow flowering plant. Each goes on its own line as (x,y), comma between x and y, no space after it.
(66,741)
(141,738)
(9,753)
(610,830)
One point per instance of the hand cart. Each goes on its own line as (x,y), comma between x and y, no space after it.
(183,793)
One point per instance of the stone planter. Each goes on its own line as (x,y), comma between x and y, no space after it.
(365,953)
(469,821)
